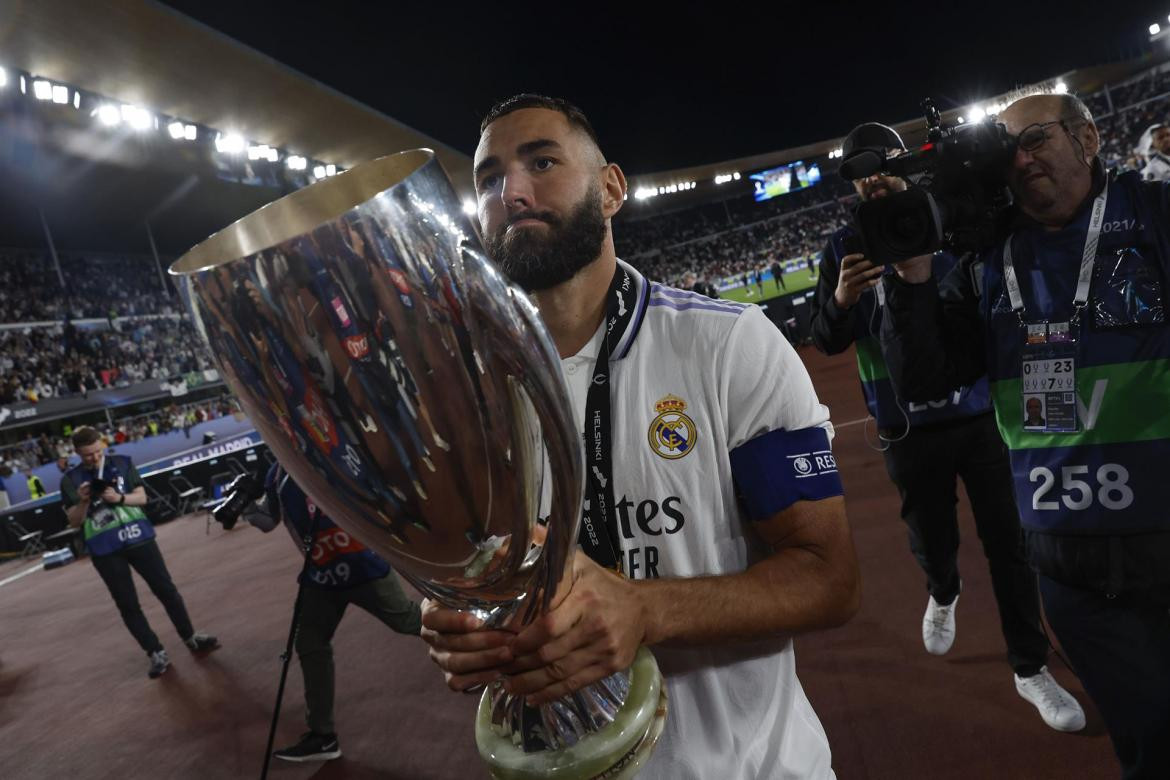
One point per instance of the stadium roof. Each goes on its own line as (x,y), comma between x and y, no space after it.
(95,192)
(145,53)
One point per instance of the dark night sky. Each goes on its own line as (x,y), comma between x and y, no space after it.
(683,83)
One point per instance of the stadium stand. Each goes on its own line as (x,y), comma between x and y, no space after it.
(722,240)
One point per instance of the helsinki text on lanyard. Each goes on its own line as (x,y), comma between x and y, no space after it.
(599,528)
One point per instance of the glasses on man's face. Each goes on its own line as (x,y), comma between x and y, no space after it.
(1033,136)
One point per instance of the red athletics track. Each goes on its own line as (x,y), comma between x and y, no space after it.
(75,701)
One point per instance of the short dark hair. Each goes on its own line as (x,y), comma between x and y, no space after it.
(85,436)
(575,115)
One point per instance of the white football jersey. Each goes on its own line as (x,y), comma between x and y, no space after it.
(692,380)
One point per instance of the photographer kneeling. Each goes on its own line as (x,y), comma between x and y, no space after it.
(340,571)
(1068,305)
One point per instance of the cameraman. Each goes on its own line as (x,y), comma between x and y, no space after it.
(341,571)
(105,497)
(1079,276)
(928,446)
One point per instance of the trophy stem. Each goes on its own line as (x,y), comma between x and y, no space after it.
(614,751)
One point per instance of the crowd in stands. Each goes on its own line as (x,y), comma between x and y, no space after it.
(95,286)
(744,249)
(39,450)
(47,362)
(1136,106)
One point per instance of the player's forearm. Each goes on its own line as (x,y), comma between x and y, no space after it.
(796,589)
(136,497)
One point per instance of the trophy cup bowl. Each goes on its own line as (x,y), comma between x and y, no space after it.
(417,397)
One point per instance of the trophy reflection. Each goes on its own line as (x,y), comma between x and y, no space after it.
(415,394)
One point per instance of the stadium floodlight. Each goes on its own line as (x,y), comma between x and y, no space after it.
(42,90)
(23,89)
(976,114)
(642,193)
(319,171)
(1155,28)
(229,144)
(1060,88)
(61,94)
(273,154)
(190,132)
(3,78)
(330,169)
(296,163)
(138,118)
(735,175)
(469,207)
(109,115)
(77,98)
(176,130)
(257,151)
(960,120)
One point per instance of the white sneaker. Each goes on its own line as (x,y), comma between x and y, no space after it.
(1057,706)
(938,626)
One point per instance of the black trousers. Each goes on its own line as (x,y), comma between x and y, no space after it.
(1119,647)
(147,560)
(925,466)
(321,612)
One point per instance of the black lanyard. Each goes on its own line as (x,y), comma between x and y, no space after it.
(598,536)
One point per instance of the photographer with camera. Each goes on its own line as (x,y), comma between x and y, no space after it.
(105,497)
(929,446)
(339,571)
(1068,305)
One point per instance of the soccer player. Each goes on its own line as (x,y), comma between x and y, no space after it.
(726,517)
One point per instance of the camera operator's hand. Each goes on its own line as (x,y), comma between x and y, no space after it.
(468,654)
(916,270)
(857,276)
(83,493)
(111,496)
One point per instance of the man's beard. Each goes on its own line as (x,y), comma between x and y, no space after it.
(538,262)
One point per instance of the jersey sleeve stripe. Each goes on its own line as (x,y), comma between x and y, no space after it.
(685,306)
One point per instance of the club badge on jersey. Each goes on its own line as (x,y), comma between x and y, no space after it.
(672,433)
(1048,356)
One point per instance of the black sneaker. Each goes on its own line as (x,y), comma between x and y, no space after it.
(312,747)
(159,663)
(200,642)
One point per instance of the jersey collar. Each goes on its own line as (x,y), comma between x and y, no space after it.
(641,300)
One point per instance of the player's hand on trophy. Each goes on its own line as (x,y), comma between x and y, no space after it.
(592,633)
(468,654)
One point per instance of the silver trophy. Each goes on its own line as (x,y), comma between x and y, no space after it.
(416,395)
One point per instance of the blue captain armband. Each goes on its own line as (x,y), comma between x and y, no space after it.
(776,469)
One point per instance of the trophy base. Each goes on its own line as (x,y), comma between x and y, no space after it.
(616,752)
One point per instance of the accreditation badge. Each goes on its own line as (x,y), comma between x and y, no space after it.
(1048,378)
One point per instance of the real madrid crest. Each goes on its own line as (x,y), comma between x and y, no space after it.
(672,433)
